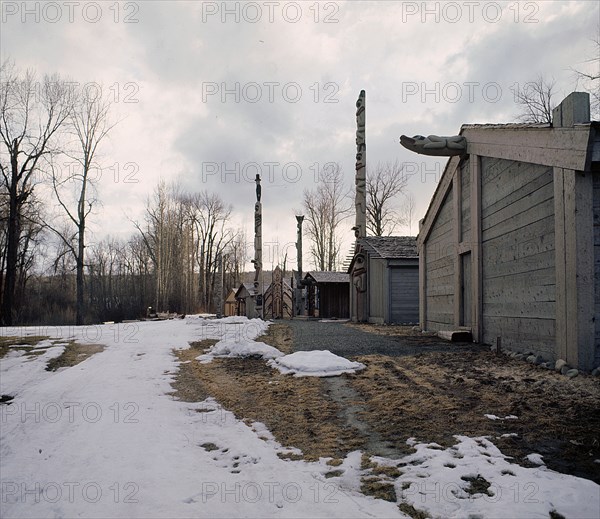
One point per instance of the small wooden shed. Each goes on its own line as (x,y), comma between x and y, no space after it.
(510,245)
(230,304)
(328,294)
(245,301)
(384,275)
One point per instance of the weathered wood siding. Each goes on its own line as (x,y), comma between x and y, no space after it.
(377,290)
(597,267)
(465,213)
(440,250)
(519,280)
(334,300)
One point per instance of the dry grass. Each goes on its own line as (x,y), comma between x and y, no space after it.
(434,396)
(413,512)
(429,396)
(279,336)
(295,409)
(27,342)
(74,354)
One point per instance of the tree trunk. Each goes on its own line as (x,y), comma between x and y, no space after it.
(79,317)
(12,246)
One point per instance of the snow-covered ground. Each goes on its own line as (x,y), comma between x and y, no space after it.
(105,439)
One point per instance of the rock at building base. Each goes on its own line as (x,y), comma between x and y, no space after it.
(572,373)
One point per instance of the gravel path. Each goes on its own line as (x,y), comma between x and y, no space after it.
(348,341)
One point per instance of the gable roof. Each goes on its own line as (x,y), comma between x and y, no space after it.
(391,247)
(328,276)
(249,288)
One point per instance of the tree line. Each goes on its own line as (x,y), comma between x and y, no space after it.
(50,273)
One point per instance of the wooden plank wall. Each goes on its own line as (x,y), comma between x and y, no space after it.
(596,176)
(334,300)
(519,279)
(378,290)
(465,214)
(440,250)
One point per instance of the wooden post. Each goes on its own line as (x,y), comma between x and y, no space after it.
(456,209)
(560,264)
(422,280)
(476,257)
(574,232)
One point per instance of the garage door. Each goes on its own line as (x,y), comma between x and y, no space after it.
(405,295)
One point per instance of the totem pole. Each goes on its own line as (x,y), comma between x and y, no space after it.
(257,250)
(298,306)
(219,287)
(360,201)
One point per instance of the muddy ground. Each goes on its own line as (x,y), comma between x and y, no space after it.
(428,396)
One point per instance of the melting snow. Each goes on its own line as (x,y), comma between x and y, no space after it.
(317,363)
(105,439)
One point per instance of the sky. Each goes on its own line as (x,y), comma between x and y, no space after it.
(207,94)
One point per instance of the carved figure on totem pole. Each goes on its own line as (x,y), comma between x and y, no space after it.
(258,188)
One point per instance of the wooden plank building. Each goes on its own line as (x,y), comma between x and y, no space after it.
(328,294)
(278,297)
(384,275)
(230,307)
(244,297)
(510,244)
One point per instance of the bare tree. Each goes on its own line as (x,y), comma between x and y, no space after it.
(535,100)
(211,216)
(590,79)
(184,235)
(236,256)
(89,123)
(162,239)
(31,114)
(326,207)
(409,210)
(384,184)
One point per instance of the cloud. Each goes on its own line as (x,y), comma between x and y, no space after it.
(205,83)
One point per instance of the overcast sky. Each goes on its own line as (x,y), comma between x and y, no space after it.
(209,93)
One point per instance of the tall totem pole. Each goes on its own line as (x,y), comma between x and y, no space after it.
(219,286)
(258,250)
(298,306)
(360,200)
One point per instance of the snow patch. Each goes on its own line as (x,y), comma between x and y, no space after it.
(494,417)
(535,458)
(232,348)
(317,363)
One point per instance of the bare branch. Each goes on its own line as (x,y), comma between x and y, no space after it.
(384,184)
(535,100)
